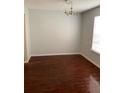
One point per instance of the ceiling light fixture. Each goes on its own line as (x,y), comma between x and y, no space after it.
(69,8)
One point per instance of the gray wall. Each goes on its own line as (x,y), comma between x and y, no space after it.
(53,33)
(87,23)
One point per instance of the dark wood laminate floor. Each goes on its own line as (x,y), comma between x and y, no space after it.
(61,74)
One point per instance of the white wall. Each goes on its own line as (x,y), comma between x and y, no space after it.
(87,34)
(27,51)
(54,33)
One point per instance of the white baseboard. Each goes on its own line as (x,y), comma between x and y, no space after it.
(26,61)
(54,54)
(90,60)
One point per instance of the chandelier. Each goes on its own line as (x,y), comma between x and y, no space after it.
(69,8)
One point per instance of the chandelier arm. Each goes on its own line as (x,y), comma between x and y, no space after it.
(69,11)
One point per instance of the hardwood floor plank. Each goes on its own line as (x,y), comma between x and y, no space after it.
(61,74)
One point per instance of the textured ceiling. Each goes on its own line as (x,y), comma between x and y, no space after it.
(59,5)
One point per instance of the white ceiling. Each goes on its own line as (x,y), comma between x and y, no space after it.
(59,5)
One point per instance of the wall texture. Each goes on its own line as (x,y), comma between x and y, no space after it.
(54,33)
(87,22)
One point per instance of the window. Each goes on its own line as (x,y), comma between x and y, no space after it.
(96,35)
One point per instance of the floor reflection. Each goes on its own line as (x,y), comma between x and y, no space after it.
(94,86)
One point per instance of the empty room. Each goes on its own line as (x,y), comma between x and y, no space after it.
(61,46)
